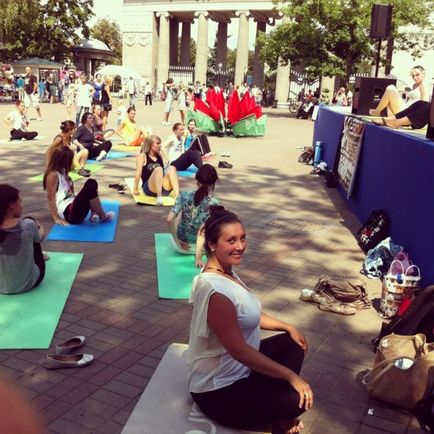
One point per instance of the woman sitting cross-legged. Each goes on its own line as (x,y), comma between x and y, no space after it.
(66,207)
(150,169)
(195,141)
(193,208)
(98,149)
(98,124)
(130,132)
(18,122)
(415,116)
(236,378)
(177,155)
(67,129)
(22,265)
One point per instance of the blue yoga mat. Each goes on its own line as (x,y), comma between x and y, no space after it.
(112,155)
(86,231)
(189,173)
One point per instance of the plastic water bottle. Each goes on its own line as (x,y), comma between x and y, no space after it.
(318,154)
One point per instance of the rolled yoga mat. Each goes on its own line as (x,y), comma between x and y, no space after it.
(87,231)
(28,320)
(175,271)
(73,175)
(143,199)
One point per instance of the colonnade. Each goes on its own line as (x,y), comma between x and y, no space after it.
(169,54)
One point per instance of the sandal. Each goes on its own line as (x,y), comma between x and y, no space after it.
(340,308)
(381,123)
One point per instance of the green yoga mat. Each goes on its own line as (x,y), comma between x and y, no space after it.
(73,175)
(28,321)
(175,271)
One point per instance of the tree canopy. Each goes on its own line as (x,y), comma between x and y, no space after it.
(109,32)
(331,37)
(46,29)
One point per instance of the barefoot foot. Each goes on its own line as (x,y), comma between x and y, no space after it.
(297,427)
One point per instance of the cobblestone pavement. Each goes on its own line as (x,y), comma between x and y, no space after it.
(297,230)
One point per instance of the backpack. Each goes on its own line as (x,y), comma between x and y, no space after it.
(374,230)
(418,318)
(306,157)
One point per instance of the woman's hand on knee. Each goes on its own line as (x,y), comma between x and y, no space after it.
(303,389)
(61,222)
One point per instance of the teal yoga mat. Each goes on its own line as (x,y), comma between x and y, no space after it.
(28,321)
(175,271)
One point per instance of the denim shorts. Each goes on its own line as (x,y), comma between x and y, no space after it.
(148,192)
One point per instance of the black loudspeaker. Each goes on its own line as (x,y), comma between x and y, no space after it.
(430,130)
(381,21)
(368,92)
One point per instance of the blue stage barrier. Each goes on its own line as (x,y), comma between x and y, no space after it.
(395,173)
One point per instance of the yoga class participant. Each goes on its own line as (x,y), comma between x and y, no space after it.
(85,135)
(194,209)
(415,116)
(129,131)
(66,207)
(81,154)
(150,169)
(392,100)
(98,124)
(177,155)
(18,122)
(195,141)
(236,378)
(22,265)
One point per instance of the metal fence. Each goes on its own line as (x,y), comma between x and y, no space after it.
(301,81)
(182,73)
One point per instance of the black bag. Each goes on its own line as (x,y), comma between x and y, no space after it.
(331,179)
(107,107)
(375,230)
(418,318)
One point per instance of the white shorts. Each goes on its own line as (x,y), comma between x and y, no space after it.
(32,98)
(168,105)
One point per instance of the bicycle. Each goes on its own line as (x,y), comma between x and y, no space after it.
(293,105)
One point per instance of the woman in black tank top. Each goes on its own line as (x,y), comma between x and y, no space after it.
(150,169)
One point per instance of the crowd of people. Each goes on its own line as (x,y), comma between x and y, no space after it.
(235,377)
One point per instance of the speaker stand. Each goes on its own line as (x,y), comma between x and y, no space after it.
(377,63)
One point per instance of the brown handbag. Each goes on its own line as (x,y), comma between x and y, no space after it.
(403,373)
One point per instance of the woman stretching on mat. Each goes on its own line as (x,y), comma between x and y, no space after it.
(66,207)
(98,149)
(150,169)
(392,101)
(194,208)
(195,141)
(100,132)
(178,156)
(22,265)
(130,132)
(237,379)
(67,129)
(18,122)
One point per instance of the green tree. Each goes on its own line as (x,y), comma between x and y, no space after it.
(109,32)
(331,37)
(46,29)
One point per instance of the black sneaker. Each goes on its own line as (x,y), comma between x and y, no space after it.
(121,189)
(225,165)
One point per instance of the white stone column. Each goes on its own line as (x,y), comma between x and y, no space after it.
(242,61)
(202,47)
(185,43)
(282,84)
(222,43)
(258,66)
(163,52)
(155,50)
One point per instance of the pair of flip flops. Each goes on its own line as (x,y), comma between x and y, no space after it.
(326,302)
(63,359)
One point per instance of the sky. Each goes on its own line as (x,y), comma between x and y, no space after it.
(401,61)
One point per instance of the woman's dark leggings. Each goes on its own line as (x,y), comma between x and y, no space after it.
(201,144)
(38,257)
(258,400)
(417,113)
(187,159)
(77,211)
(95,150)
(20,134)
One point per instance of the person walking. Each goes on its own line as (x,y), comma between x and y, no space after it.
(31,92)
(132,90)
(84,92)
(148,93)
